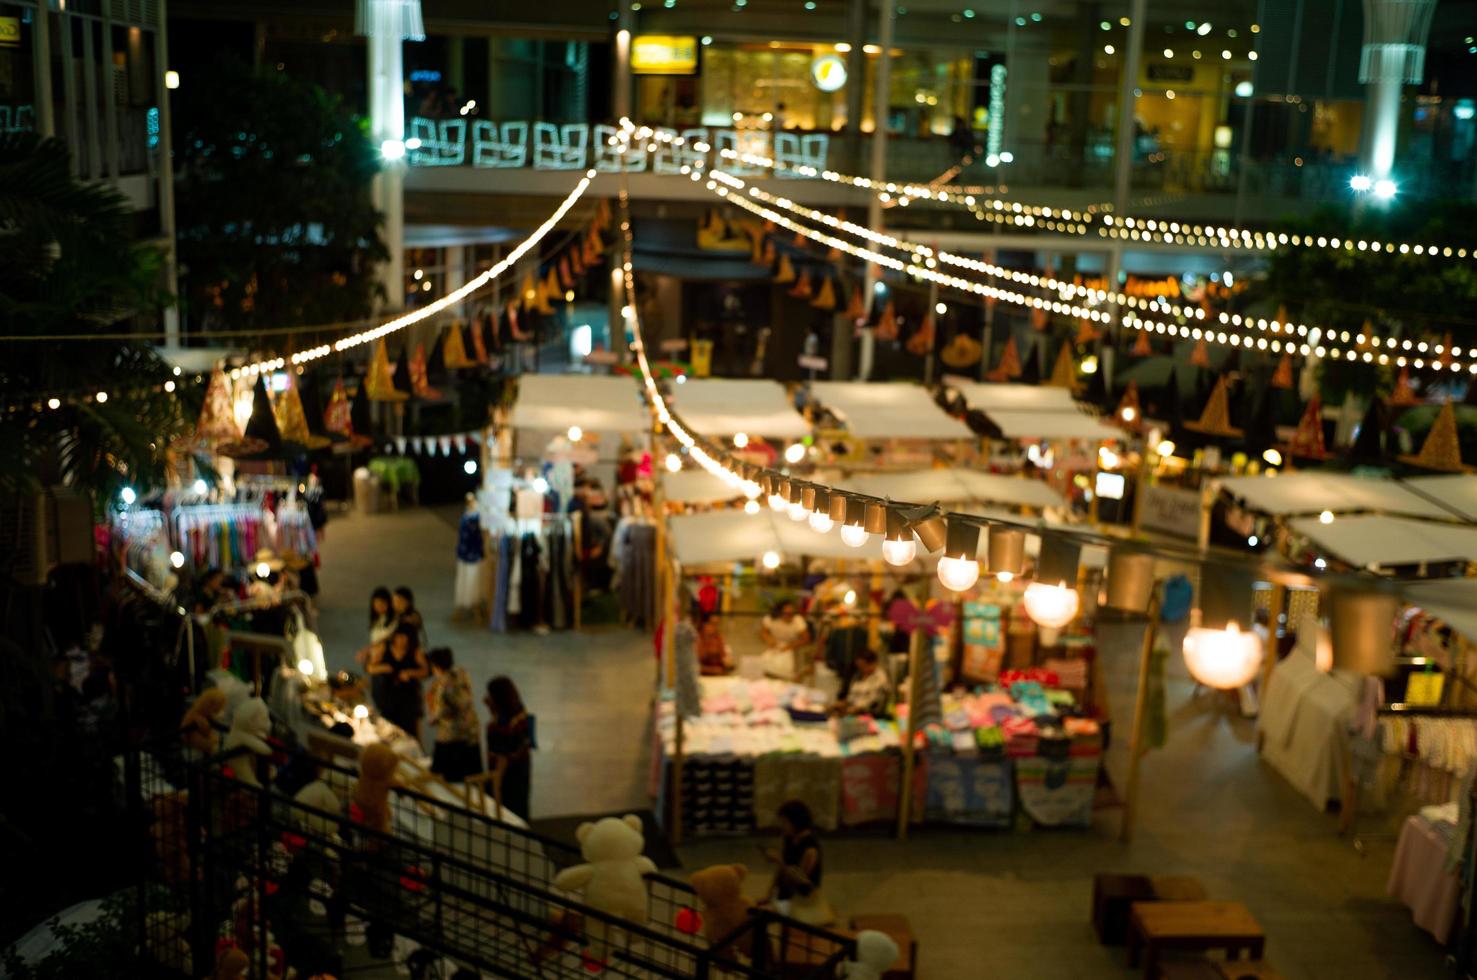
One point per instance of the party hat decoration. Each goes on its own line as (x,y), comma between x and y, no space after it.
(1404,395)
(217,425)
(454,351)
(1369,445)
(1443,357)
(527,292)
(597,247)
(292,421)
(857,309)
(380,380)
(1087,332)
(419,382)
(801,289)
(552,287)
(1038,319)
(1442,450)
(887,323)
(602,213)
(1128,415)
(799,241)
(825,298)
(479,339)
(261,429)
(769,253)
(566,274)
(1200,356)
(961,352)
(1141,345)
(514,330)
(576,260)
(1307,439)
(757,253)
(922,340)
(401,377)
(338,417)
(834,255)
(1282,377)
(1009,366)
(1215,420)
(786,271)
(1064,371)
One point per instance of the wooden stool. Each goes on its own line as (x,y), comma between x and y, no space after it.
(897,927)
(1200,926)
(1177,888)
(1112,899)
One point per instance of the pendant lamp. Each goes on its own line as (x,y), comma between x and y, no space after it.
(1218,651)
(1130,580)
(261,428)
(1361,626)
(1051,600)
(900,546)
(959,568)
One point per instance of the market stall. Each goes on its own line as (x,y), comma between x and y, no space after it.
(721,407)
(870,411)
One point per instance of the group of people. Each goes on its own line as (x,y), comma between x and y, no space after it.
(397,662)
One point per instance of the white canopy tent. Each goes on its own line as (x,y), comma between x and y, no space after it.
(1451,600)
(696,487)
(732,535)
(1376,540)
(953,485)
(1031,424)
(875,410)
(720,407)
(990,397)
(1311,493)
(598,404)
(1457,492)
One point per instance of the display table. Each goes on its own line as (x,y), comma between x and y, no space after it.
(1155,927)
(1418,877)
(1305,714)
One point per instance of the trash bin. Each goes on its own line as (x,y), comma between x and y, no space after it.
(366,491)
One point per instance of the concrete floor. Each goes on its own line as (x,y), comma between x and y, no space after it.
(980,903)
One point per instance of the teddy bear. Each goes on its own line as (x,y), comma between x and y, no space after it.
(249,730)
(875,953)
(721,890)
(197,728)
(377,765)
(611,879)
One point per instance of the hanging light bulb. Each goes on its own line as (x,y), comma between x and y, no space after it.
(1051,606)
(1223,659)
(740,440)
(820,513)
(127,496)
(794,452)
(770,560)
(177,559)
(674,463)
(854,535)
(263,570)
(797,511)
(200,487)
(958,567)
(901,550)
(751,507)
(777,503)
(853,531)
(361,711)
(575,433)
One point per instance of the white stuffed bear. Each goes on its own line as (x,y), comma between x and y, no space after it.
(249,730)
(612,879)
(875,953)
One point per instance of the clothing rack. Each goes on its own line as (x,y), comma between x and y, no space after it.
(506,545)
(166,601)
(1409,760)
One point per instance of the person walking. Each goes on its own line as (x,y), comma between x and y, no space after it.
(510,743)
(458,745)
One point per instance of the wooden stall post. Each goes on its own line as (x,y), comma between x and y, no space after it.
(1275,606)
(579,578)
(1136,734)
(1207,506)
(1140,486)
(917,644)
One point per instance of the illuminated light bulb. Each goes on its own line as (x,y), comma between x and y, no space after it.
(900,552)
(849,598)
(1319,564)
(102,397)
(854,535)
(1089,364)
(1128,414)
(199,487)
(778,503)
(361,712)
(1385,189)
(470,467)
(1005,578)
(1107,459)
(751,490)
(820,521)
(1252,541)
(127,496)
(1052,606)
(740,440)
(1326,517)
(169,386)
(770,560)
(53,403)
(673,462)
(305,666)
(177,559)
(263,570)
(797,511)
(1272,456)
(1223,659)
(576,433)
(1165,448)
(794,452)
(958,574)
(540,485)
(751,507)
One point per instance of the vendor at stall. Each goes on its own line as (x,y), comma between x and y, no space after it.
(869,692)
(713,653)
(786,637)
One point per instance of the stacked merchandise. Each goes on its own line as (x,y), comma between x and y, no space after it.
(718,795)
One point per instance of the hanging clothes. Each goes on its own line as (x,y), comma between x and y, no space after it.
(501,596)
(531,585)
(469,554)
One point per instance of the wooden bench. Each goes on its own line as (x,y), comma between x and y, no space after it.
(1154,927)
(1113,896)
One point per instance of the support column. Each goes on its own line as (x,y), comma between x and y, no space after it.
(877,171)
(389,25)
(41,51)
(1123,145)
(166,177)
(620,98)
(856,81)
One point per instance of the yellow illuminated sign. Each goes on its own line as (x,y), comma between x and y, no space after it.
(663,54)
(10,32)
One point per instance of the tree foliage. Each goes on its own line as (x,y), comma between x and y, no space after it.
(275,221)
(71,267)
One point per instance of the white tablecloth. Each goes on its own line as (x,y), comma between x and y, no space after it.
(1304,717)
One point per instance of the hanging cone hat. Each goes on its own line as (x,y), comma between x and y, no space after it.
(1307,439)
(1282,314)
(961,352)
(602,213)
(292,421)
(825,298)
(359,411)
(1369,444)
(856,309)
(1141,345)
(1039,320)
(786,272)
(552,288)
(799,241)
(770,255)
(1200,356)
(1009,366)
(1095,389)
(597,247)
(1128,415)
(217,423)
(1404,395)
(566,274)
(922,340)
(515,332)
(261,429)
(1031,363)
(1087,332)
(1442,450)
(887,328)
(834,255)
(338,417)
(379,382)
(454,348)
(757,251)
(401,377)
(527,292)
(1282,377)
(419,381)
(576,259)
(801,289)
(1064,371)
(1215,420)
(479,335)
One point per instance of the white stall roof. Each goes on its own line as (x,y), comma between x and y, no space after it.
(1312,493)
(596,403)
(1451,600)
(797,540)
(988,397)
(880,410)
(1032,424)
(720,407)
(1457,492)
(697,487)
(953,485)
(1368,540)
(721,535)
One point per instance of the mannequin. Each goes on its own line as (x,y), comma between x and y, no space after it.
(469,554)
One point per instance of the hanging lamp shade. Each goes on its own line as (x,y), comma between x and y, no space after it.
(379,383)
(1282,377)
(261,428)
(401,377)
(1064,371)
(400,19)
(825,297)
(1222,651)
(1128,415)
(292,421)
(887,328)
(1009,366)
(1006,549)
(1130,580)
(1307,439)
(1441,451)
(1141,346)
(856,310)
(420,382)
(1361,626)
(1200,355)
(1215,420)
(454,348)
(786,271)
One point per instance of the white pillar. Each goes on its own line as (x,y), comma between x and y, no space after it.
(166,175)
(620,96)
(878,171)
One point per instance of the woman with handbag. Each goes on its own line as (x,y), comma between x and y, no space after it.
(510,744)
